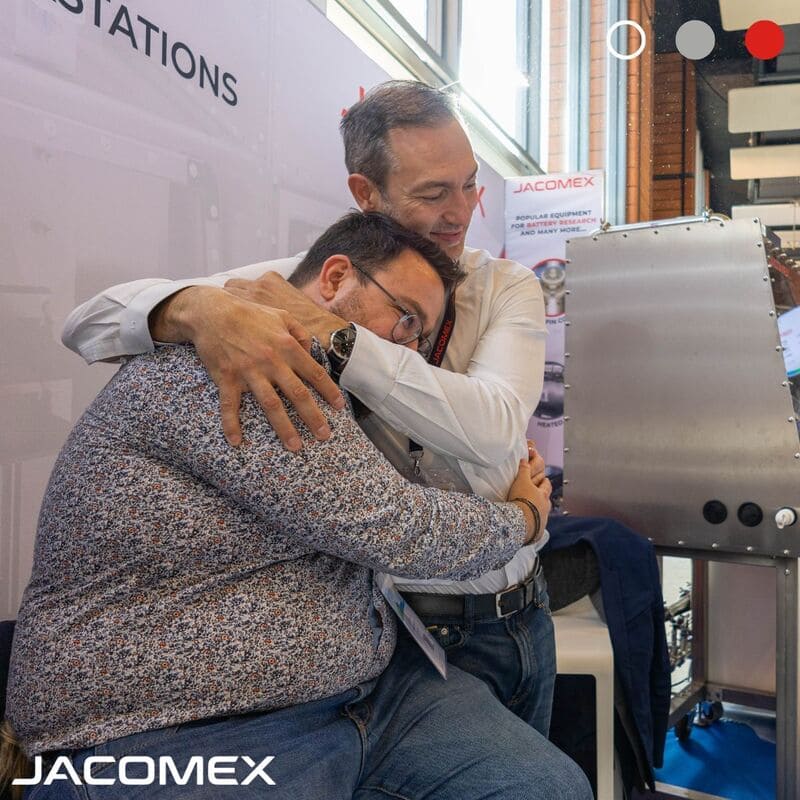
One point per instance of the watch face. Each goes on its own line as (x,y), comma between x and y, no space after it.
(343,341)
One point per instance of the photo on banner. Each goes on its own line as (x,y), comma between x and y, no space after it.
(542,212)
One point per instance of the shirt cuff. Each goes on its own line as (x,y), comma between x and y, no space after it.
(134,330)
(372,366)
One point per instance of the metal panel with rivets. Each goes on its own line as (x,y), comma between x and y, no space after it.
(678,394)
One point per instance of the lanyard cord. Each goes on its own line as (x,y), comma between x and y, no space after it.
(416,451)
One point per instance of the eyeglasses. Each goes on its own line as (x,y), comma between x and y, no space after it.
(408,327)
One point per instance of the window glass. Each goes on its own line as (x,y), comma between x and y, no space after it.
(489,66)
(415,12)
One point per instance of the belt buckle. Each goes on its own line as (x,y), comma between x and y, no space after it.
(497,598)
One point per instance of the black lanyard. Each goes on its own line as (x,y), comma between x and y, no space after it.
(416,451)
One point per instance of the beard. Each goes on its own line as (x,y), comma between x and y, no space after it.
(349,308)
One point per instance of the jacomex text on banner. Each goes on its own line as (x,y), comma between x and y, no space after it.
(542,212)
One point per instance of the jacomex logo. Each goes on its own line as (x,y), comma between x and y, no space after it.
(144,771)
(551,184)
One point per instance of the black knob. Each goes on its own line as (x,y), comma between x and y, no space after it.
(750,514)
(714,511)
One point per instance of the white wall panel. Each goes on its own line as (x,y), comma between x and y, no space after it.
(764,108)
(772,161)
(741,14)
(780,214)
(790,238)
(114,167)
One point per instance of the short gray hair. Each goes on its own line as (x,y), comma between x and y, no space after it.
(395,104)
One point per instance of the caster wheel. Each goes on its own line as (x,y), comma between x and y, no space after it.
(709,713)
(683,727)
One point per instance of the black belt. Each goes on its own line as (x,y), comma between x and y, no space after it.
(492,606)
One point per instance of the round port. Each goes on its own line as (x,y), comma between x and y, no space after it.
(750,514)
(715,512)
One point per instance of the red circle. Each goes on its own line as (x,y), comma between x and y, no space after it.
(764,39)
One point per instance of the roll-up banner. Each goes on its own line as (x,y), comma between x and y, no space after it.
(542,213)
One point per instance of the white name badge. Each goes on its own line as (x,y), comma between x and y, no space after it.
(414,625)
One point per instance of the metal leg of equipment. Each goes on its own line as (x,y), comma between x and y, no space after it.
(787,680)
(787,677)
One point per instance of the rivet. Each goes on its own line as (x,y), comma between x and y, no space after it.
(791,419)
(649,538)
(566,355)
(786,552)
(567,323)
(797,455)
(766,277)
(567,292)
(759,244)
(567,386)
(749,548)
(594,239)
(624,235)
(566,481)
(785,383)
(566,449)
(787,572)
(755,219)
(714,545)
(655,232)
(567,260)
(680,541)
(772,313)
(778,348)
(564,513)
(566,418)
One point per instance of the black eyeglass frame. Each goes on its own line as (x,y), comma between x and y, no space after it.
(424,346)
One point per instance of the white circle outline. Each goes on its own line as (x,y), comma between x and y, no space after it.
(614,52)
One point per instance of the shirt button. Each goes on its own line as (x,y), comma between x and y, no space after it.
(444,631)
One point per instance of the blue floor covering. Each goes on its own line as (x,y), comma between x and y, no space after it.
(727,759)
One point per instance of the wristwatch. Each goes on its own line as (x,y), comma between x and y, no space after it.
(342,343)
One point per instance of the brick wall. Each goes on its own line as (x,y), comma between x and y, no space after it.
(674,139)
(639,183)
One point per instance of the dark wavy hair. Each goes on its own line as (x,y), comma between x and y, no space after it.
(372,240)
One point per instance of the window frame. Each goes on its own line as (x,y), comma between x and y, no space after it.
(420,58)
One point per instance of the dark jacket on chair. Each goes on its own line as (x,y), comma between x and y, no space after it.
(634,612)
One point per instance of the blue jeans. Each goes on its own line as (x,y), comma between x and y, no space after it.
(515,657)
(408,735)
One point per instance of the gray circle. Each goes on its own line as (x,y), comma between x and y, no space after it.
(695,39)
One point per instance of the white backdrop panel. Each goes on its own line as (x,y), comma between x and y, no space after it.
(114,167)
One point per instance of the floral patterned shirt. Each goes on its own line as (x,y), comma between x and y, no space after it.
(177,578)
